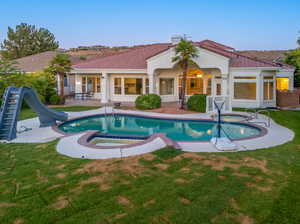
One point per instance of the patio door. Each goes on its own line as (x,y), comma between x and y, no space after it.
(90,85)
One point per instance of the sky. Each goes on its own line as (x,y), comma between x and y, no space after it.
(244,25)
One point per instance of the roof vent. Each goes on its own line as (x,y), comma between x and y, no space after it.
(176,39)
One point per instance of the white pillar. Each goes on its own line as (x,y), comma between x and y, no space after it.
(104,88)
(224,85)
(260,90)
(58,83)
(151,83)
(291,83)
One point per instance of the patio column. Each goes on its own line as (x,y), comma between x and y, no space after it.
(151,83)
(58,83)
(104,88)
(224,85)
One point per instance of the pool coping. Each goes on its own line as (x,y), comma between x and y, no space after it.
(83,140)
(170,142)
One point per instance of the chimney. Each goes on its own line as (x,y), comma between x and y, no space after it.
(176,39)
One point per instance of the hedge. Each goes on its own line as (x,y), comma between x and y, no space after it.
(197,103)
(148,102)
(40,81)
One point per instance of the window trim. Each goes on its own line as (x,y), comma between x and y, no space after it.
(124,78)
(273,95)
(172,78)
(120,86)
(245,81)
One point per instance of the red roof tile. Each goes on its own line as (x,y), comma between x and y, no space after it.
(136,58)
(215,44)
(132,59)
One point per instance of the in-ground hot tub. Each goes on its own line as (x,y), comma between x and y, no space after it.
(234,117)
(174,129)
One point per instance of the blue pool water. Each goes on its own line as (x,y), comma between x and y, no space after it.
(178,130)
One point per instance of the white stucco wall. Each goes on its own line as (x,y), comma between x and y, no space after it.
(122,97)
(287,73)
(206,59)
(258,73)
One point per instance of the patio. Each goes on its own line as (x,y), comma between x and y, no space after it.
(166,107)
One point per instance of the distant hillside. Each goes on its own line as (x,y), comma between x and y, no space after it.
(99,50)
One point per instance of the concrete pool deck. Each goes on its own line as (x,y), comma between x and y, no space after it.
(69,144)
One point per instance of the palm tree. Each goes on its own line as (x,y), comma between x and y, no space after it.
(60,65)
(185,51)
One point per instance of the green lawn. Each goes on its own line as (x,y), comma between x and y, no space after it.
(28,113)
(37,185)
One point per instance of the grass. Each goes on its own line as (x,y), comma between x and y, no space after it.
(38,185)
(27,113)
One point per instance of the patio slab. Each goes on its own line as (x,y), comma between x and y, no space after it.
(68,145)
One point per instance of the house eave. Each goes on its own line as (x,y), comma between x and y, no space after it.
(106,70)
(256,68)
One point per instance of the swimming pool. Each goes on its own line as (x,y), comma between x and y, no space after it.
(175,129)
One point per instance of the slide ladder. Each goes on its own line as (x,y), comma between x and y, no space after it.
(11,106)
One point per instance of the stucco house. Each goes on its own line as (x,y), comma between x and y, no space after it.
(219,71)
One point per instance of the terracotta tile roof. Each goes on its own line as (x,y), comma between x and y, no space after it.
(236,59)
(136,58)
(132,59)
(275,56)
(36,62)
(215,44)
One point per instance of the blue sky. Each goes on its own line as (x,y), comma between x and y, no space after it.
(242,24)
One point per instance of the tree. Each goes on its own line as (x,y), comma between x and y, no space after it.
(8,67)
(27,40)
(293,58)
(185,51)
(60,65)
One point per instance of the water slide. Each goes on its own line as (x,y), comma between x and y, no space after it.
(11,106)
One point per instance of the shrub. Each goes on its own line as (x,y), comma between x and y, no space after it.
(54,99)
(41,82)
(42,98)
(197,103)
(148,102)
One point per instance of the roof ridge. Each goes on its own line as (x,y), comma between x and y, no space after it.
(219,45)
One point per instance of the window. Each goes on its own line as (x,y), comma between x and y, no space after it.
(268,88)
(98,84)
(65,81)
(194,86)
(282,84)
(147,85)
(83,86)
(90,84)
(245,87)
(133,86)
(117,85)
(245,90)
(218,89)
(166,86)
(208,87)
